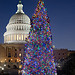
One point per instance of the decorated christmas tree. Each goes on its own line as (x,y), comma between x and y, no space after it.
(38,58)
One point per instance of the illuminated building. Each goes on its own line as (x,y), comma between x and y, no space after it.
(18,27)
(17,31)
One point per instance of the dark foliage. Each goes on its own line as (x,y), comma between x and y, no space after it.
(69,66)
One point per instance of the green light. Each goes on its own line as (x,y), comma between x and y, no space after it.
(19,2)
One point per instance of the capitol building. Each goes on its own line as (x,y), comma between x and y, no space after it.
(18,27)
(17,30)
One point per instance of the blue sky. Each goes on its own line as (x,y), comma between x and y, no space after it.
(61,13)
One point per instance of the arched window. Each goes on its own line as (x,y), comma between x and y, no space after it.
(9,54)
(15,55)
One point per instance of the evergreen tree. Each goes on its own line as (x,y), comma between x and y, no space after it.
(39,52)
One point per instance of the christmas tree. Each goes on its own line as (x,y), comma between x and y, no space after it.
(38,59)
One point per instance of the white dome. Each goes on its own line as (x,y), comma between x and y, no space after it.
(19,18)
(18,27)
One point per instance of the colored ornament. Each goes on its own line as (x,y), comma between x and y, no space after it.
(39,52)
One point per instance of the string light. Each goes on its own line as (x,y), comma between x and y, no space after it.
(39,52)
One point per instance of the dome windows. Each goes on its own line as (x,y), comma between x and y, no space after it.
(15,37)
(22,37)
(19,37)
(19,18)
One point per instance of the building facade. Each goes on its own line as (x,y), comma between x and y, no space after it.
(17,30)
(12,55)
(60,54)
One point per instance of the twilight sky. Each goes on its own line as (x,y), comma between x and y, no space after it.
(61,13)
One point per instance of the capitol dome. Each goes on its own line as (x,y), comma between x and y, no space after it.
(18,27)
(19,18)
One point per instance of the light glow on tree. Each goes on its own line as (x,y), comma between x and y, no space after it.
(38,59)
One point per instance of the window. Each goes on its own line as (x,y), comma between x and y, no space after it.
(15,55)
(19,21)
(22,37)
(14,37)
(9,60)
(15,49)
(17,37)
(8,66)
(59,53)
(19,49)
(9,54)
(19,27)
(63,53)
(20,55)
(22,27)
(15,60)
